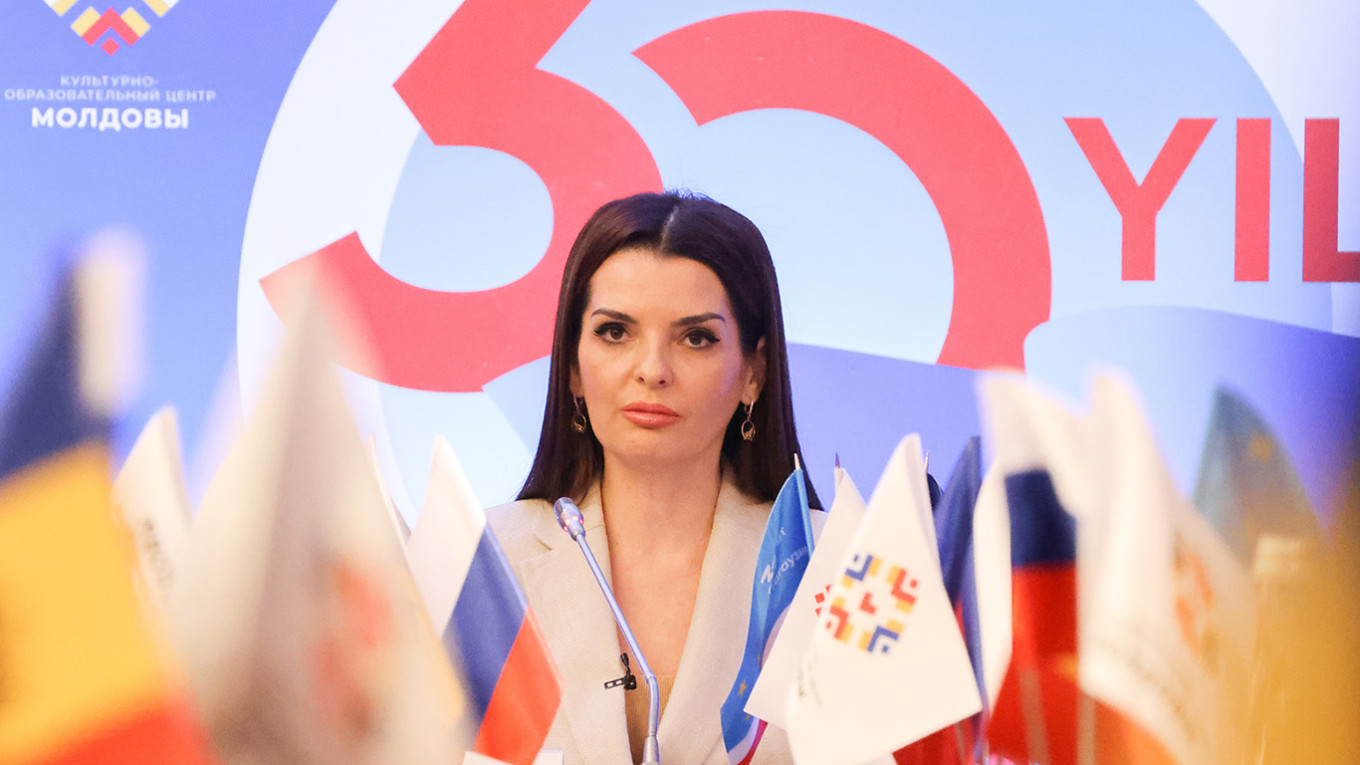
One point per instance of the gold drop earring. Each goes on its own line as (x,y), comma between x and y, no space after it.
(579,421)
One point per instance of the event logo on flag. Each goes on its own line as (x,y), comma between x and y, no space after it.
(1195,605)
(870,603)
(820,598)
(870,682)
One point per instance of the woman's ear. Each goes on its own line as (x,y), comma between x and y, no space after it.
(755,383)
(574,381)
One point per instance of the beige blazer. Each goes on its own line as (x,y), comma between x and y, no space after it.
(590,727)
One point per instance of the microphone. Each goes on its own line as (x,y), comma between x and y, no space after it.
(570,519)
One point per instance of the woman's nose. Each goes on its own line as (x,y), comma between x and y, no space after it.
(654,364)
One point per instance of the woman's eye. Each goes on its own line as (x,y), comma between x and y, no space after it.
(611,332)
(700,338)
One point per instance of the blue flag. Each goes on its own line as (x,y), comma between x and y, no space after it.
(44,412)
(954,532)
(1247,484)
(783,558)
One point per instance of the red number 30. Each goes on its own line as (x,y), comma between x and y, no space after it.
(477,85)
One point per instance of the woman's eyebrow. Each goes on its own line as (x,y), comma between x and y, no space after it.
(616,315)
(700,318)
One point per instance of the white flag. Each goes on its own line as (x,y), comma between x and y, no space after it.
(299,623)
(769,696)
(399,526)
(888,664)
(446,535)
(151,493)
(1166,625)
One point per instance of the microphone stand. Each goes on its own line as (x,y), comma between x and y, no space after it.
(570,519)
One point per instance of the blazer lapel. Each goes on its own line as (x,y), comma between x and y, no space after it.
(580,629)
(691,730)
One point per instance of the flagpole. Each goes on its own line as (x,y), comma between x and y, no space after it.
(1035,734)
(958,741)
(1086,729)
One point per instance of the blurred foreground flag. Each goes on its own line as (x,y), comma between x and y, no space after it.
(399,526)
(152,497)
(954,534)
(769,697)
(82,677)
(1247,485)
(1053,464)
(1131,620)
(1037,442)
(488,630)
(780,563)
(888,665)
(297,615)
(1168,613)
(1035,716)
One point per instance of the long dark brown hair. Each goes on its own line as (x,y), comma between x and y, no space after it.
(683,225)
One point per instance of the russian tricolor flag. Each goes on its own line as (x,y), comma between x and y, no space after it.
(487,628)
(1036,713)
(1037,440)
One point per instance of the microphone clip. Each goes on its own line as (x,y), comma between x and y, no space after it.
(628,681)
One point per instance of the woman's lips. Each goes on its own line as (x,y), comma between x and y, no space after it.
(650,415)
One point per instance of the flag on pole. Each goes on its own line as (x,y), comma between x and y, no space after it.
(1167,612)
(487,628)
(399,526)
(296,612)
(992,575)
(954,531)
(83,678)
(770,696)
(1099,529)
(48,411)
(887,665)
(780,563)
(1034,718)
(1247,485)
(153,500)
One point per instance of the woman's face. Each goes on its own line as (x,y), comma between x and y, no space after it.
(659,361)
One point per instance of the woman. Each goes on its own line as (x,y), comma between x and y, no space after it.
(669,420)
